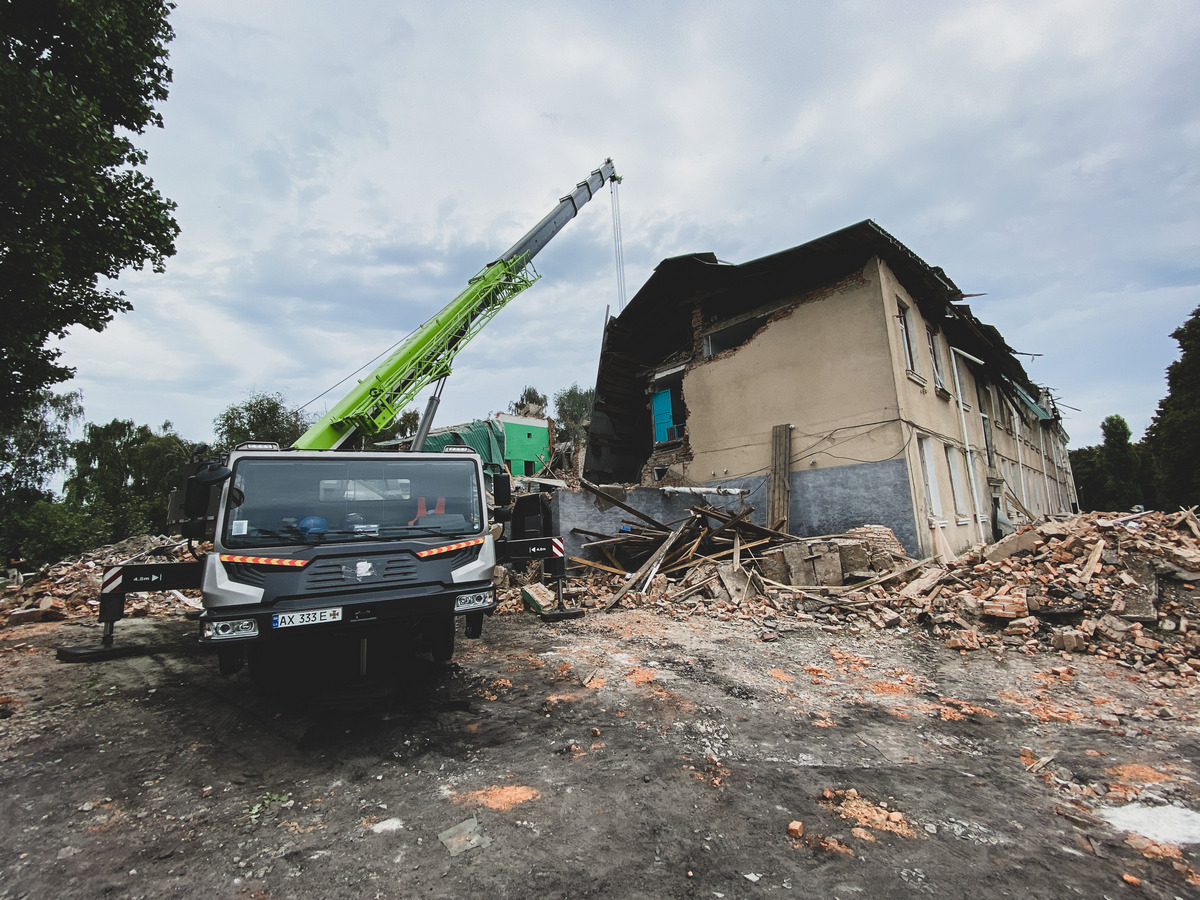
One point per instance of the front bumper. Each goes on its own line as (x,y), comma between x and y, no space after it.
(357,614)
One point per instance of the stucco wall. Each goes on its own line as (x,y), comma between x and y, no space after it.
(824,367)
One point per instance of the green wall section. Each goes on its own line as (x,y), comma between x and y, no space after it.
(496,442)
(524,443)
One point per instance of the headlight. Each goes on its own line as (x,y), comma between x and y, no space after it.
(472,601)
(230,629)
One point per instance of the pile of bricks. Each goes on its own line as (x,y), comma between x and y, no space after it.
(1119,587)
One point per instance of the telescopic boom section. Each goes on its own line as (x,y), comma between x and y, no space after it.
(426,354)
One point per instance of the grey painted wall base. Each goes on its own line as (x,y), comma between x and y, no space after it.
(828,501)
(823,501)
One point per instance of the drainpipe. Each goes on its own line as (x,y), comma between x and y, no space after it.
(962,420)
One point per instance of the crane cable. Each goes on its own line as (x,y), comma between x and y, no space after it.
(620,250)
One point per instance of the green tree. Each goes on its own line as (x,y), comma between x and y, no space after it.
(56,529)
(1174,433)
(1089,476)
(572,410)
(124,474)
(1108,475)
(32,451)
(262,417)
(1122,468)
(532,402)
(77,78)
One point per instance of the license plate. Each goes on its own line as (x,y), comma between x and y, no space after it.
(308,617)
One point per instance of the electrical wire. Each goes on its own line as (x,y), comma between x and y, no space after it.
(369,362)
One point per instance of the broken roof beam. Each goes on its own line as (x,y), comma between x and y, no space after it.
(609,498)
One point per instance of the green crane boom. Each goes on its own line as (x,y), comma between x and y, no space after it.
(425,355)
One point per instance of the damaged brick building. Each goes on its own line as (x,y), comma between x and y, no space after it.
(841,382)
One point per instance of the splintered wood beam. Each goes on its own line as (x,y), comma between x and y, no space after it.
(648,565)
(592,489)
(696,560)
(741,523)
(1093,563)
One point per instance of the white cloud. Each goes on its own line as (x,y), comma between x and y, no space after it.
(341,173)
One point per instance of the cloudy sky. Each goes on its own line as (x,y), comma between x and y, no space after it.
(342,169)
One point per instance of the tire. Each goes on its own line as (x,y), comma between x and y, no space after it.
(439,638)
(230,659)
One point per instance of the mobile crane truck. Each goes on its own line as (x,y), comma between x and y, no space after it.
(315,543)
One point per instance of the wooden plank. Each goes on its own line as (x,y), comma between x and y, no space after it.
(695,588)
(595,565)
(623,539)
(778,486)
(845,589)
(583,532)
(1093,563)
(738,519)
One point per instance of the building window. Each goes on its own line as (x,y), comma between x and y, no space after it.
(938,381)
(957,485)
(910,358)
(961,370)
(933,500)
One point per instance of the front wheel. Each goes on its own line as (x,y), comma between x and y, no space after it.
(439,638)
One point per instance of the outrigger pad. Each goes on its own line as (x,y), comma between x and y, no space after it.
(554,615)
(99,652)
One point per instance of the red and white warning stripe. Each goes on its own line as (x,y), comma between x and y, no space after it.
(556,545)
(448,547)
(263,560)
(111,580)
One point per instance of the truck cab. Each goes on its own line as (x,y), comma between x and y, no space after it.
(346,542)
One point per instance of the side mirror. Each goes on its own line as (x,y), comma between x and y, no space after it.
(197,493)
(502,514)
(502,489)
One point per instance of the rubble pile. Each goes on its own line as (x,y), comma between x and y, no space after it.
(71,588)
(718,564)
(1117,587)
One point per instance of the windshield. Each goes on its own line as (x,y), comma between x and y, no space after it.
(297,500)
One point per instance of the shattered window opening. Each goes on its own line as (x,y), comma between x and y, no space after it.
(933,500)
(957,489)
(938,381)
(910,359)
(732,336)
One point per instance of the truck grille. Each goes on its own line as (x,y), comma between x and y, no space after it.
(246,573)
(323,576)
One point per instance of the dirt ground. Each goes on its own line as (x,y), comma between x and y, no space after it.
(621,755)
